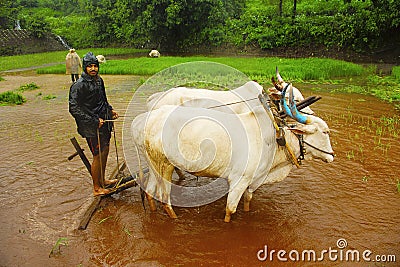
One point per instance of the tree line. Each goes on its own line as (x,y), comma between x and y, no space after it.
(181,25)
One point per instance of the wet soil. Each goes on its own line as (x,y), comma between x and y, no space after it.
(44,195)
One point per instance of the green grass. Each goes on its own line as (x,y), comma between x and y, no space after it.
(11,98)
(49,97)
(396,73)
(385,88)
(28,87)
(62,241)
(310,70)
(260,68)
(14,97)
(25,61)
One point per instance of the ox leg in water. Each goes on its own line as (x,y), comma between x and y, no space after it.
(233,199)
(171,213)
(248,195)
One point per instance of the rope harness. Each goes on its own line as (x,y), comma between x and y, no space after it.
(273,113)
(233,103)
(279,124)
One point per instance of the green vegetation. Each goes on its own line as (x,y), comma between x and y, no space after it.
(126,230)
(312,70)
(359,25)
(309,70)
(181,25)
(49,97)
(105,219)
(28,87)
(26,61)
(256,68)
(383,87)
(383,133)
(62,241)
(396,73)
(14,97)
(11,98)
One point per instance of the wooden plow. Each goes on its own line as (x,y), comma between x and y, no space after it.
(124,182)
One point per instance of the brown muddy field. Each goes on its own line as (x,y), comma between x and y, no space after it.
(353,200)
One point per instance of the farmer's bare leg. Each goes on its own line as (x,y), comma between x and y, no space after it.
(98,180)
(104,157)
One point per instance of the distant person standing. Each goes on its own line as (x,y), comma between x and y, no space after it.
(73,65)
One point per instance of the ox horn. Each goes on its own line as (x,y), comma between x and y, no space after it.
(292,111)
(293,108)
(284,103)
(280,80)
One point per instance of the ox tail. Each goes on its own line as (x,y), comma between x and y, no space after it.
(141,178)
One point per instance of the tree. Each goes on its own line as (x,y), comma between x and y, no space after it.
(294,9)
(37,25)
(167,23)
(8,14)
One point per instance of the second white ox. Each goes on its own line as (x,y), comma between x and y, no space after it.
(239,100)
(239,147)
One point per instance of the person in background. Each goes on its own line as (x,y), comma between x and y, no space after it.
(89,106)
(73,65)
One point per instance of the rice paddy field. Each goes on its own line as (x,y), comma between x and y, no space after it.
(350,77)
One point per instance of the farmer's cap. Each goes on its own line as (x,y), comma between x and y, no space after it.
(89,59)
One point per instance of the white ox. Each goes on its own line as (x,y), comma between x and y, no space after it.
(239,100)
(243,149)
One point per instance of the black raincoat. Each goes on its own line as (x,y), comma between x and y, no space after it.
(88,102)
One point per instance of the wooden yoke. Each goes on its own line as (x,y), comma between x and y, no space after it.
(278,130)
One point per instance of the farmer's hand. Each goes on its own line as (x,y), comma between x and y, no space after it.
(101,122)
(114,114)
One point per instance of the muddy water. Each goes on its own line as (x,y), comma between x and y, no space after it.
(43,196)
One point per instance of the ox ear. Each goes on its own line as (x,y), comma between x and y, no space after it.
(277,85)
(274,94)
(304,129)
